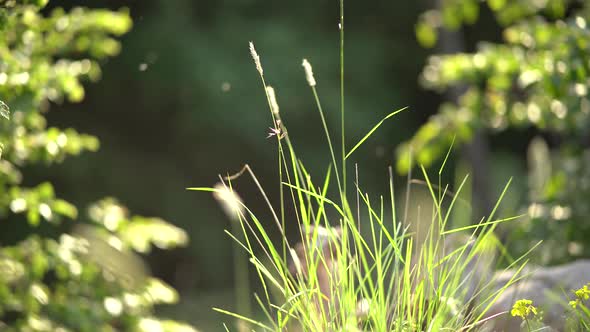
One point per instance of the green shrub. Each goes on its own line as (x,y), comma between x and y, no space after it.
(90,279)
(538,77)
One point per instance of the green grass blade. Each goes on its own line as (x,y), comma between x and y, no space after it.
(342,123)
(373,130)
(500,199)
(246,319)
(319,197)
(440,170)
(206,189)
(323,194)
(487,223)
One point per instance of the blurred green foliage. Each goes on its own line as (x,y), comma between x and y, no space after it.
(538,77)
(90,279)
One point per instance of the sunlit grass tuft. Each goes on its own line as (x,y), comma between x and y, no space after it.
(335,277)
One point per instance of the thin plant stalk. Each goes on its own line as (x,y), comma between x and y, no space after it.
(342,122)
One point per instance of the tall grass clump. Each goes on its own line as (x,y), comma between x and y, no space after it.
(339,277)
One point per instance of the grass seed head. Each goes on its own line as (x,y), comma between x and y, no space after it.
(274,106)
(308,72)
(229,200)
(256,58)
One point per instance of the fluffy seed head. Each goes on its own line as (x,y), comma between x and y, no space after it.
(308,72)
(274,106)
(256,58)
(229,200)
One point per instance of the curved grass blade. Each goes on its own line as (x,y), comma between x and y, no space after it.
(373,130)
(249,320)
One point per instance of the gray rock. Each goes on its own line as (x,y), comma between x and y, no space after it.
(550,289)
